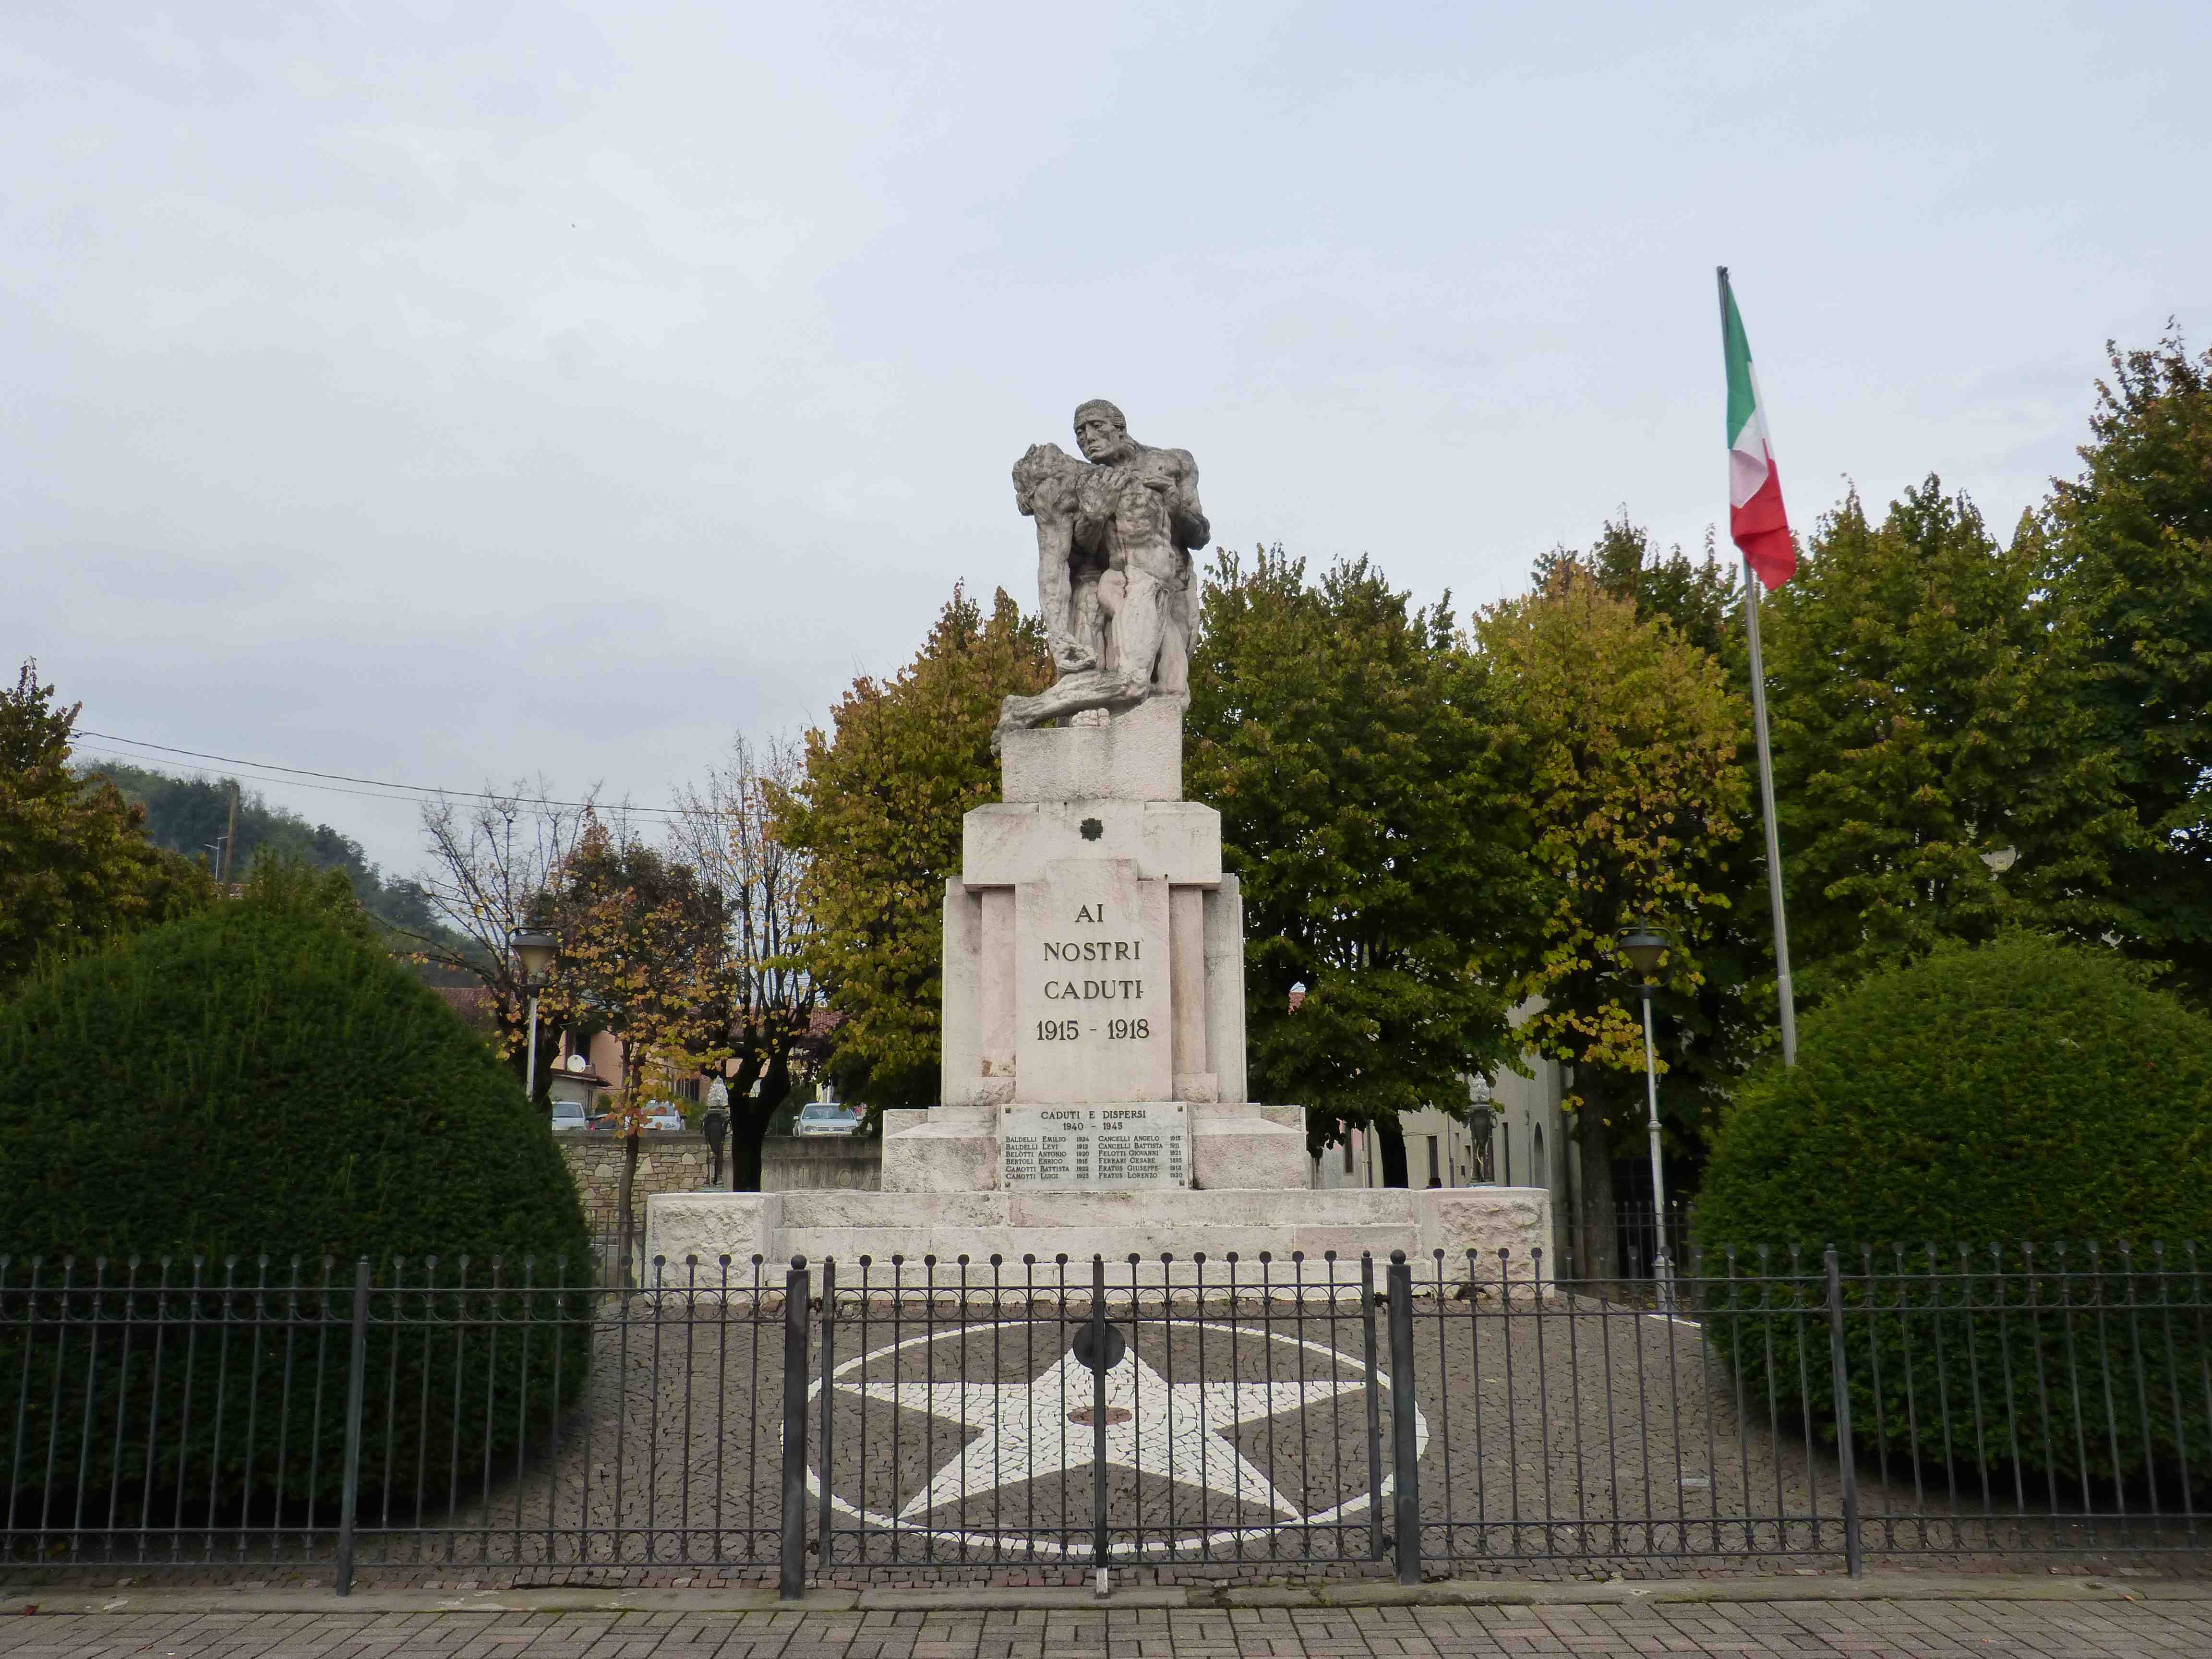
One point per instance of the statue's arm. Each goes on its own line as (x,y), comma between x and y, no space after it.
(1185,516)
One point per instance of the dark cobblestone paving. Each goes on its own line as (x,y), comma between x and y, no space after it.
(2047,1629)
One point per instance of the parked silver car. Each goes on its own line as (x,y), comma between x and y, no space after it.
(826,1118)
(568,1114)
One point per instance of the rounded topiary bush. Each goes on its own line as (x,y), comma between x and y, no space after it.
(2011,1148)
(202,1130)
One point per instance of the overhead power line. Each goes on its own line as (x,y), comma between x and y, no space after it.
(378,789)
(255,777)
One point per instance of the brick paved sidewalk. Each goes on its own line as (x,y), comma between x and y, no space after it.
(2046,1629)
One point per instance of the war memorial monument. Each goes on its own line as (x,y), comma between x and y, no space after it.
(1094,1097)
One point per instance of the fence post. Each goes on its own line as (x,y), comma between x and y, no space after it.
(357,1378)
(1854,1546)
(1098,1421)
(829,1363)
(791,1577)
(1404,1453)
(1373,1407)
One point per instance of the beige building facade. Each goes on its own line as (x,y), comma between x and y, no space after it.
(1514,1135)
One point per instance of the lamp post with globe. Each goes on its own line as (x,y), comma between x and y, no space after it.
(1643,949)
(534,952)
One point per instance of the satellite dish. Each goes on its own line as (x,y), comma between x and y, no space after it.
(578,1063)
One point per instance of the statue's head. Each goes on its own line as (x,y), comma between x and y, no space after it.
(1102,432)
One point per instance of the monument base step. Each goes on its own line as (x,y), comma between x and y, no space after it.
(1179,1224)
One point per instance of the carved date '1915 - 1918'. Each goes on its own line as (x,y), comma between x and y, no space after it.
(1071,1030)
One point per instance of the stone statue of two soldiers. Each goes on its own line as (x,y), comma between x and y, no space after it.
(1114,532)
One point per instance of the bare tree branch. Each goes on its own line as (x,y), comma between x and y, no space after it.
(722,829)
(492,867)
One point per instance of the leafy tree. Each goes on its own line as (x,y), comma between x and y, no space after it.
(1722,1023)
(1340,733)
(1699,598)
(74,865)
(1620,744)
(2134,540)
(643,954)
(876,816)
(1935,772)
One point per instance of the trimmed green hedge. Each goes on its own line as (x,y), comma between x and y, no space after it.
(2003,1143)
(248,1102)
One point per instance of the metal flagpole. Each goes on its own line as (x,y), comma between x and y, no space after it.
(1784,993)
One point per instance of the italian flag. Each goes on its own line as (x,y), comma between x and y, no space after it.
(1757,523)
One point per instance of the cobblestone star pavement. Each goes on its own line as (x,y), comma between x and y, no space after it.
(1176,1430)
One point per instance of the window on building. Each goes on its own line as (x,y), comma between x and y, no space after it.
(1347,1152)
(1436,1164)
(1540,1174)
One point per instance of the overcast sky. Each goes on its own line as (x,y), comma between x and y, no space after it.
(444,393)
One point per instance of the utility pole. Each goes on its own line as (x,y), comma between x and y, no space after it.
(230,835)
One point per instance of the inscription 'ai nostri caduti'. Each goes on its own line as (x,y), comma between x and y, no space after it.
(1094,950)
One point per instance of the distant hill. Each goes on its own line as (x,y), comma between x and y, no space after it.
(188,815)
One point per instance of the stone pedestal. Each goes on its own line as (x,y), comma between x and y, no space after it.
(1093,1096)
(1094,957)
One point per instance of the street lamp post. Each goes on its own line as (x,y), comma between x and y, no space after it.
(535,952)
(1645,948)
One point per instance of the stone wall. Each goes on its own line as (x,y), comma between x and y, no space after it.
(673,1163)
(667,1162)
(810,1162)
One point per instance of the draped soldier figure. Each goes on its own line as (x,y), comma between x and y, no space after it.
(1114,532)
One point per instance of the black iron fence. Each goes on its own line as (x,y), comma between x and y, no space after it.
(1643,1239)
(1424,1416)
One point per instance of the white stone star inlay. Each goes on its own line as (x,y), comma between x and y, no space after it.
(1178,1432)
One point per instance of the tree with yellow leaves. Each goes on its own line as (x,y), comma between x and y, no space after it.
(1621,745)
(644,954)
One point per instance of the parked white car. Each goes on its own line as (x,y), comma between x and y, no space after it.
(568,1114)
(662,1115)
(825,1118)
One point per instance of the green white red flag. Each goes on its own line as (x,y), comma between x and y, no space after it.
(1757,523)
